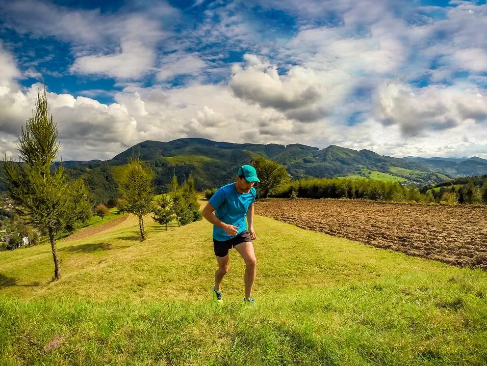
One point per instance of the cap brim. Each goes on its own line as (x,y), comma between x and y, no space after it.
(252,179)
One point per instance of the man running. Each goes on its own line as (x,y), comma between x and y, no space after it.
(227,210)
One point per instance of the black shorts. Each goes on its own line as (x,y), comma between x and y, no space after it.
(222,247)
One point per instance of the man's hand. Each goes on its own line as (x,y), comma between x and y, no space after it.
(253,236)
(230,229)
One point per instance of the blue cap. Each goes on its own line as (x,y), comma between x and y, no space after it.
(249,173)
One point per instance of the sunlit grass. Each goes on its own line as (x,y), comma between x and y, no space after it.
(320,300)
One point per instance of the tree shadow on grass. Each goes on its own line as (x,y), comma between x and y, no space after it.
(170,226)
(87,248)
(7,281)
(130,238)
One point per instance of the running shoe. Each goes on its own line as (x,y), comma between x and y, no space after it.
(217,295)
(249,300)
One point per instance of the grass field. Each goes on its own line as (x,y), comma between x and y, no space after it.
(320,300)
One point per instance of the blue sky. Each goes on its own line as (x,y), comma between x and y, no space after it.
(396,77)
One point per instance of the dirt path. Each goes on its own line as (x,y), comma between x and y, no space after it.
(89,231)
(452,234)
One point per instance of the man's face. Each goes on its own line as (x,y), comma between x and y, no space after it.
(243,186)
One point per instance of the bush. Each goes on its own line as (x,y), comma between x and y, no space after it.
(14,243)
(101,210)
(210,192)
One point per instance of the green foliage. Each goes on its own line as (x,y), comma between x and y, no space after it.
(79,205)
(484,191)
(271,176)
(470,194)
(449,198)
(163,210)
(186,206)
(174,184)
(210,192)
(135,185)
(350,188)
(41,193)
(429,197)
(101,210)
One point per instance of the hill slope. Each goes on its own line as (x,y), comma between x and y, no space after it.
(320,300)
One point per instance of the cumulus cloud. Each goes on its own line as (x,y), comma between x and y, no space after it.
(295,93)
(430,108)
(9,70)
(341,59)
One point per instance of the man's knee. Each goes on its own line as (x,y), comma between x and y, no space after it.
(251,262)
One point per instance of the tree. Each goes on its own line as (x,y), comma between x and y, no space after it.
(449,198)
(182,209)
(79,205)
(484,191)
(174,184)
(186,206)
(163,209)
(101,210)
(472,194)
(271,175)
(41,192)
(135,184)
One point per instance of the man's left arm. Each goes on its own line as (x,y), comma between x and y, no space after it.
(250,222)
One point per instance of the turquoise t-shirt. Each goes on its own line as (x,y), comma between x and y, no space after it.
(231,208)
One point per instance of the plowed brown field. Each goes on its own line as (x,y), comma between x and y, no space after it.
(452,234)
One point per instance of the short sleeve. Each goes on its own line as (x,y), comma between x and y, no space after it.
(217,199)
(254,194)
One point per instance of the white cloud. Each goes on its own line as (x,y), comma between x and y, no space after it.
(472,59)
(8,70)
(431,108)
(297,93)
(132,62)
(295,87)
(115,45)
(180,64)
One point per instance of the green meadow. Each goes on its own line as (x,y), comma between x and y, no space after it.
(320,300)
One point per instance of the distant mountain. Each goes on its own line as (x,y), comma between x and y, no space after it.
(454,167)
(213,164)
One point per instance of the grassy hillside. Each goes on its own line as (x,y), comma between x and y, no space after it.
(320,300)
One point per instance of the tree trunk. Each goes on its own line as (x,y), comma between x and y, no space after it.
(57,269)
(141,227)
(166,226)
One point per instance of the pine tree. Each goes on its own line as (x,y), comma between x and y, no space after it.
(163,209)
(79,205)
(174,184)
(41,192)
(135,184)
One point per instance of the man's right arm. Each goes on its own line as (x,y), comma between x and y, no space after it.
(210,216)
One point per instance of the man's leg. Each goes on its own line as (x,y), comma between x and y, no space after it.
(223,264)
(246,250)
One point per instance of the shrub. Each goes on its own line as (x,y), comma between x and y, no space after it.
(101,210)
(210,192)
